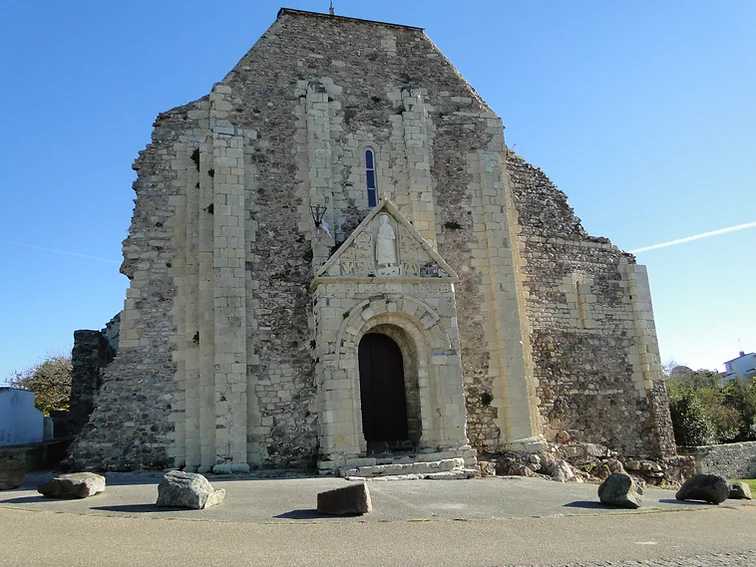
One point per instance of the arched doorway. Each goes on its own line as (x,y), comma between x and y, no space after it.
(382,393)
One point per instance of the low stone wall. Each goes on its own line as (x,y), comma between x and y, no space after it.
(733,460)
(588,462)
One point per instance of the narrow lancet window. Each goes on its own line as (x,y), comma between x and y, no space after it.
(372,190)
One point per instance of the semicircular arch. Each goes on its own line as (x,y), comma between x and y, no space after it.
(413,313)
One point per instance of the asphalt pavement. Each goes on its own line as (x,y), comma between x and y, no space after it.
(273,521)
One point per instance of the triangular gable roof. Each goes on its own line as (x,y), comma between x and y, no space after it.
(296,12)
(258,57)
(387,206)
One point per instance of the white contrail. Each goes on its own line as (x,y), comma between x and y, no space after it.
(696,237)
(59,251)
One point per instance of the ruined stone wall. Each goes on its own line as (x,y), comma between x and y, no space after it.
(130,425)
(594,344)
(112,330)
(91,353)
(216,366)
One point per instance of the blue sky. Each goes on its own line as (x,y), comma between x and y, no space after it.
(642,112)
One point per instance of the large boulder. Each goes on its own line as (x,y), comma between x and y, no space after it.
(740,491)
(350,500)
(73,485)
(708,487)
(619,489)
(178,489)
(12,468)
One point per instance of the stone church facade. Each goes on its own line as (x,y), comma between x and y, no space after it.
(335,256)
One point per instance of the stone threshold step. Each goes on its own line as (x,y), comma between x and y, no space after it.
(426,467)
(457,474)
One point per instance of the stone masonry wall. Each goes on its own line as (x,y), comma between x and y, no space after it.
(421,118)
(216,365)
(130,425)
(594,345)
(733,460)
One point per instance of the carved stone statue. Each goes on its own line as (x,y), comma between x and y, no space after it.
(385,248)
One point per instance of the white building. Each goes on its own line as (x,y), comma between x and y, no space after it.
(742,367)
(20,422)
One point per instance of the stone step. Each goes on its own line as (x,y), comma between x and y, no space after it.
(460,474)
(452,468)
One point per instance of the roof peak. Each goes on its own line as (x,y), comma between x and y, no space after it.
(292,11)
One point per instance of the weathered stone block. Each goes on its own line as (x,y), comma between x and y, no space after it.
(740,491)
(350,500)
(487,468)
(561,471)
(179,489)
(73,485)
(619,489)
(708,487)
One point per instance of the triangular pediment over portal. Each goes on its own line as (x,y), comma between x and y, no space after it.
(385,245)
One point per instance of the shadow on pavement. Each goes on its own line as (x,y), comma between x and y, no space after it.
(585,504)
(303,514)
(136,508)
(685,502)
(25,500)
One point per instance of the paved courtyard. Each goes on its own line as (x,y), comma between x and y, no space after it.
(494,521)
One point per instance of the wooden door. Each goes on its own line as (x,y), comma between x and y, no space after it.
(384,406)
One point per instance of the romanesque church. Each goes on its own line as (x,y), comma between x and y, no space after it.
(334,259)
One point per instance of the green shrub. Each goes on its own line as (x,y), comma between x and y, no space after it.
(703,405)
(689,420)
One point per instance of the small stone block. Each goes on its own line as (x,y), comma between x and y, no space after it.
(486,468)
(619,489)
(73,485)
(740,491)
(350,500)
(179,489)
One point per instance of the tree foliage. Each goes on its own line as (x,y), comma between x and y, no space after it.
(689,420)
(707,409)
(50,380)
